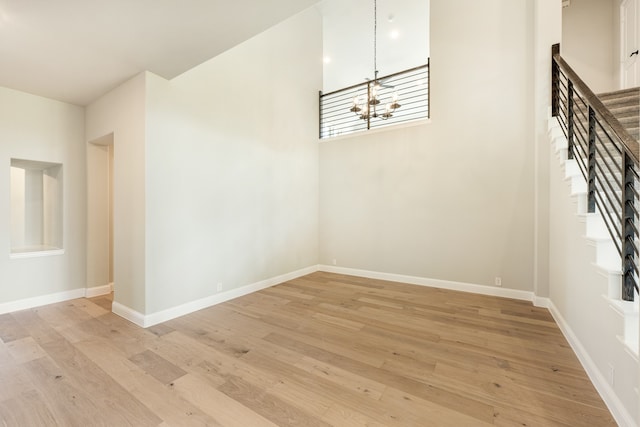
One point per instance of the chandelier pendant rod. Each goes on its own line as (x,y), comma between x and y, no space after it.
(375,40)
(368,109)
(373,94)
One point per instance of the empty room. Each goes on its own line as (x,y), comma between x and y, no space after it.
(319,213)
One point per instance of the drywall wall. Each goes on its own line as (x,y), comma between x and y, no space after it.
(617,44)
(121,112)
(451,199)
(98,212)
(232,167)
(577,290)
(548,31)
(40,129)
(348,36)
(589,42)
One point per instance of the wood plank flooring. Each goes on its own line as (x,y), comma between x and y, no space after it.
(321,350)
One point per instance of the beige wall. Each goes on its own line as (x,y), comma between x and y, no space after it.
(577,290)
(232,166)
(121,112)
(589,41)
(547,32)
(348,39)
(215,172)
(98,212)
(36,128)
(452,199)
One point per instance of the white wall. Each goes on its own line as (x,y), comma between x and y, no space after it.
(18,206)
(577,290)
(40,129)
(232,166)
(121,112)
(98,212)
(452,199)
(617,44)
(589,42)
(548,31)
(348,39)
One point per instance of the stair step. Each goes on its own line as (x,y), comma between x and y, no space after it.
(628,101)
(624,108)
(619,93)
(629,312)
(606,256)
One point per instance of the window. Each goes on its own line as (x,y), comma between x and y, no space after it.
(36,207)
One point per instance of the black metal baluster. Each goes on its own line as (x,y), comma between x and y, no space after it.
(591,189)
(320,113)
(628,235)
(555,82)
(570,119)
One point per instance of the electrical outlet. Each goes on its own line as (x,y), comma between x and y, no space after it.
(498,281)
(219,287)
(335,262)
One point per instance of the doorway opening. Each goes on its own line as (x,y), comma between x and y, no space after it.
(100,224)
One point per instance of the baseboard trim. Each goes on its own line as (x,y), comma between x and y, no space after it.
(146,321)
(97,291)
(129,314)
(433,283)
(27,303)
(541,302)
(619,412)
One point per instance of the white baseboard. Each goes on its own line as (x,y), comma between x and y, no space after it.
(541,302)
(39,301)
(619,412)
(434,283)
(98,291)
(146,321)
(24,304)
(128,313)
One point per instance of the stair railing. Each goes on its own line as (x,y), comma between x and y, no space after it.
(351,109)
(608,158)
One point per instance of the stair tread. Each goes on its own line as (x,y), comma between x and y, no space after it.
(623,104)
(618,93)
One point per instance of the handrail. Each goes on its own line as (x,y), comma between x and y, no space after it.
(611,175)
(403,97)
(388,76)
(631,146)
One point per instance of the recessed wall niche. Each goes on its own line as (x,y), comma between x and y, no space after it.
(36,208)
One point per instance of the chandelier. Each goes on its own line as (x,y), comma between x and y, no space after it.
(368,107)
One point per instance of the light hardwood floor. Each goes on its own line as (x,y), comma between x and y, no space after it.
(321,350)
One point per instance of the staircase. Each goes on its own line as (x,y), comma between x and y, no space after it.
(607,258)
(594,266)
(625,106)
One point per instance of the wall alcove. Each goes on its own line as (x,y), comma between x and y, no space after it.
(36,208)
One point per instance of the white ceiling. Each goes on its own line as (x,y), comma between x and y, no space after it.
(77,50)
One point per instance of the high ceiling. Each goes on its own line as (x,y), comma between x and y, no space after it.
(77,50)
